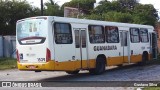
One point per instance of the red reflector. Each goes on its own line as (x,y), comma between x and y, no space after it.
(48,55)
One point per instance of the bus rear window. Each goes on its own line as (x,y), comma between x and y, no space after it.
(63,34)
(31,31)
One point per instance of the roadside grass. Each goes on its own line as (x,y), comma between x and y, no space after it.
(151,88)
(8,63)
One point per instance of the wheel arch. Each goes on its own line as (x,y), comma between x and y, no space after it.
(103,56)
(145,53)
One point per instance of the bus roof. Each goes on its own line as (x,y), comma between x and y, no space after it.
(87,21)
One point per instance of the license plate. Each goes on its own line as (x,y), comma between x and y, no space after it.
(32,67)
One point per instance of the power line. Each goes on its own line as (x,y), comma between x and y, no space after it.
(42,7)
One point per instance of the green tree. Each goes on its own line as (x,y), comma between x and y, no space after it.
(127,5)
(127,11)
(53,9)
(107,6)
(92,17)
(11,11)
(118,17)
(145,14)
(86,5)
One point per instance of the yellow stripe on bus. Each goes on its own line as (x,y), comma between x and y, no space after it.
(76,64)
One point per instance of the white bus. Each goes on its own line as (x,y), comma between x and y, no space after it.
(50,43)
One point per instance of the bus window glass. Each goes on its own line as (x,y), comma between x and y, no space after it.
(31,31)
(144,35)
(96,34)
(112,34)
(134,34)
(77,39)
(83,33)
(63,34)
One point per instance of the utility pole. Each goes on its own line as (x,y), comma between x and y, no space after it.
(78,11)
(42,7)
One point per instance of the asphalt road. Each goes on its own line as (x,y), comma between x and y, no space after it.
(126,73)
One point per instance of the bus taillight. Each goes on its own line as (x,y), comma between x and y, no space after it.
(48,55)
(17,55)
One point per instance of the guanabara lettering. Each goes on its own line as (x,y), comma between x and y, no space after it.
(102,48)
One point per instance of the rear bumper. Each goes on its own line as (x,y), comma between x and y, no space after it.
(50,65)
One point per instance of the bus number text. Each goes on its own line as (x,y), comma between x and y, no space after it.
(41,59)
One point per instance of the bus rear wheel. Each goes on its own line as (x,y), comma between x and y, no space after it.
(100,66)
(144,59)
(73,72)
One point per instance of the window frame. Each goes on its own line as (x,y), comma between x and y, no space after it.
(70,32)
(106,34)
(103,33)
(132,35)
(140,35)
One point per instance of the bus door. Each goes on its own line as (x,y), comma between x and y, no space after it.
(81,48)
(125,46)
(153,45)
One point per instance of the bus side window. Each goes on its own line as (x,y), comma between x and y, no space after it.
(112,34)
(144,35)
(134,35)
(63,33)
(96,34)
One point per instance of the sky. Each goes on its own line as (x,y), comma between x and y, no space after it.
(156,3)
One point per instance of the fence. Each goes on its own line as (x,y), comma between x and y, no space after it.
(8,46)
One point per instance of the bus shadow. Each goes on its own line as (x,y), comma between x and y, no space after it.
(66,77)
(78,77)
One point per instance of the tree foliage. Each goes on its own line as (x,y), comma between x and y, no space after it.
(145,14)
(53,9)
(86,5)
(126,11)
(118,17)
(106,6)
(127,5)
(11,11)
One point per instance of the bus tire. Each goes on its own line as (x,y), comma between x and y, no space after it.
(144,59)
(73,72)
(100,66)
(37,71)
(120,65)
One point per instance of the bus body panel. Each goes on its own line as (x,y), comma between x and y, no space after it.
(32,44)
(67,57)
(32,53)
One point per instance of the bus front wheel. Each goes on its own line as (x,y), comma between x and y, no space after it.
(144,59)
